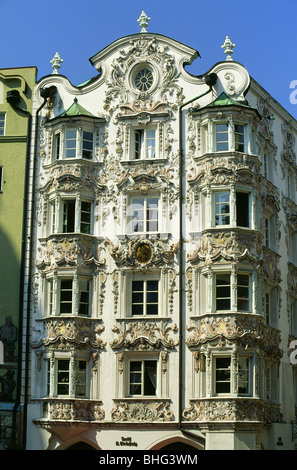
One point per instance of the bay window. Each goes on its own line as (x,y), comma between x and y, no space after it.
(73,143)
(232,375)
(232,292)
(71,215)
(67,378)
(68,295)
(227,203)
(229,137)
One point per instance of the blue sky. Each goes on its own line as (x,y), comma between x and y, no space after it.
(264,32)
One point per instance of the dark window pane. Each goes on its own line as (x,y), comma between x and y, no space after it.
(242,209)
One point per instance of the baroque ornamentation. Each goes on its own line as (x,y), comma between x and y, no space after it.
(244,330)
(145,336)
(67,333)
(76,410)
(230,245)
(214,410)
(142,411)
(126,253)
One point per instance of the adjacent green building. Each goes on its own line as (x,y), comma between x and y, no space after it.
(16,92)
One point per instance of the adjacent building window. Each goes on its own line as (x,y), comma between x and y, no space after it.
(142,378)
(145,297)
(74,144)
(144,144)
(1,178)
(2,123)
(145,214)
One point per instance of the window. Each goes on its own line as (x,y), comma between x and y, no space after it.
(267,232)
(63,301)
(239,383)
(268,384)
(145,294)
(222,137)
(243,292)
(222,208)
(144,79)
(2,123)
(71,219)
(224,292)
(222,375)
(142,378)
(239,137)
(144,143)
(1,178)
(70,378)
(76,144)
(244,375)
(271,306)
(66,296)
(145,214)
(242,209)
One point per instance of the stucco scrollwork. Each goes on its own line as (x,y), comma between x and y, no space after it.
(142,411)
(67,333)
(145,336)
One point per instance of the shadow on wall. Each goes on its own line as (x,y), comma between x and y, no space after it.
(9,318)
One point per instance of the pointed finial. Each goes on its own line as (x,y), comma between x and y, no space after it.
(56,63)
(143,21)
(228,46)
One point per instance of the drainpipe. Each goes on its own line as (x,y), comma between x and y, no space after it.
(210,80)
(45,94)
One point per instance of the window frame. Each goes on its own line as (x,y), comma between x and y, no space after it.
(142,383)
(232,131)
(233,368)
(60,140)
(56,220)
(70,372)
(54,293)
(145,302)
(233,204)
(140,147)
(131,218)
(231,286)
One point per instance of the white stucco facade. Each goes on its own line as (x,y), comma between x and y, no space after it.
(163,275)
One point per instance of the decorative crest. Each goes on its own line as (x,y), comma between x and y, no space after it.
(143,21)
(228,46)
(56,63)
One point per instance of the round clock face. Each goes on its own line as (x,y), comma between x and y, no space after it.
(143,253)
(143,79)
